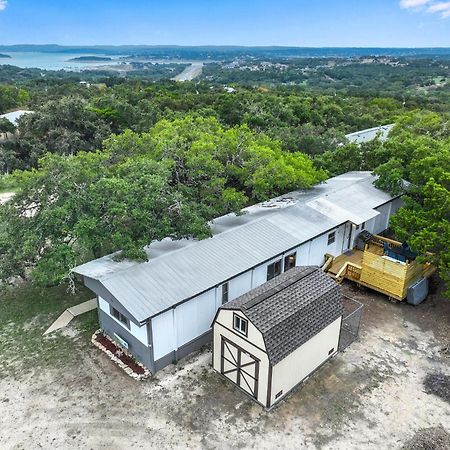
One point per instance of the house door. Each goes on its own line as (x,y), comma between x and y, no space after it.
(240,367)
(347,240)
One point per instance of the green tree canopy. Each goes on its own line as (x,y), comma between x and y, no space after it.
(168,182)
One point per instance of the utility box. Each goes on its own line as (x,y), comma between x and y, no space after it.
(417,292)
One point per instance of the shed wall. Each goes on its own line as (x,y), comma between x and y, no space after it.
(254,344)
(299,364)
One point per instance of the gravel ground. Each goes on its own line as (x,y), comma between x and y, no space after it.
(388,390)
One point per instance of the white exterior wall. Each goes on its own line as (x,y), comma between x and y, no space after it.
(382,220)
(396,205)
(180,325)
(253,344)
(194,317)
(303,254)
(138,332)
(238,286)
(318,249)
(300,363)
(164,338)
(259,275)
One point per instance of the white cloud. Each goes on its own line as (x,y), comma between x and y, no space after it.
(413,3)
(441,7)
(3,4)
(429,6)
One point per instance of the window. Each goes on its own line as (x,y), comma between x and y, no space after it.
(331,238)
(120,317)
(273,270)
(289,261)
(240,324)
(224,293)
(363,226)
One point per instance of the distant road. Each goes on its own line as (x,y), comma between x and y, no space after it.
(191,72)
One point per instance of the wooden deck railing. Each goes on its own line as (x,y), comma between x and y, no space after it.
(380,241)
(353,272)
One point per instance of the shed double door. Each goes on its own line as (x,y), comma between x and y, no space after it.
(240,367)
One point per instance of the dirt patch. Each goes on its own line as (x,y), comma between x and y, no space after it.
(371,396)
(429,439)
(438,384)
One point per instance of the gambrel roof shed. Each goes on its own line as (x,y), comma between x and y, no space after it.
(290,309)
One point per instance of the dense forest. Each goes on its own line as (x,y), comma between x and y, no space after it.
(110,162)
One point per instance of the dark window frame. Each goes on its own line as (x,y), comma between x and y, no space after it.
(331,238)
(119,316)
(286,259)
(363,226)
(241,320)
(274,269)
(225,293)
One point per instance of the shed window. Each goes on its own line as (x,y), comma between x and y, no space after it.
(224,293)
(363,226)
(240,324)
(273,270)
(289,261)
(120,317)
(331,238)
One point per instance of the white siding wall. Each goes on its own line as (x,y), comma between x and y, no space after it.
(396,205)
(382,220)
(300,363)
(180,325)
(194,317)
(238,286)
(138,332)
(303,254)
(259,275)
(318,249)
(164,338)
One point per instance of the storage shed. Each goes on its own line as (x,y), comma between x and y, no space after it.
(270,339)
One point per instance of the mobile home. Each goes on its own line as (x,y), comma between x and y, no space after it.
(161,310)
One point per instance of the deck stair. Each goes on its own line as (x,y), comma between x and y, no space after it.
(371,268)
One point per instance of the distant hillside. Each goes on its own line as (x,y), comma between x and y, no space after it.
(2,55)
(228,52)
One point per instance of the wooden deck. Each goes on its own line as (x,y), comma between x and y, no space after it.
(372,269)
(353,256)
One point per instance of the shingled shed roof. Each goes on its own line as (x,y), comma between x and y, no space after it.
(290,309)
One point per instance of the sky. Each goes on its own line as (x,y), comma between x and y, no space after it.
(303,23)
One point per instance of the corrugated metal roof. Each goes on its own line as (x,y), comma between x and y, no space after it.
(14,116)
(358,137)
(291,308)
(178,270)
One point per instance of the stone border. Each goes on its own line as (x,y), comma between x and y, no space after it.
(118,361)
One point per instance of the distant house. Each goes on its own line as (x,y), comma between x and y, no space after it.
(162,309)
(270,339)
(360,137)
(13,117)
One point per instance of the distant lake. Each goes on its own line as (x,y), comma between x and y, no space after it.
(52,61)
